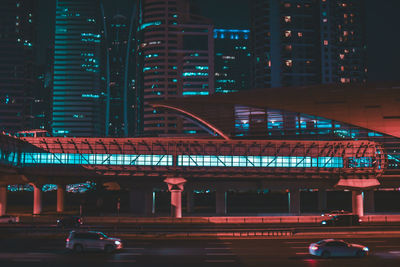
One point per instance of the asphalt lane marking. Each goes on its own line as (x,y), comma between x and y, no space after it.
(130,254)
(220,254)
(27,260)
(116,261)
(219,260)
(302,253)
(220,243)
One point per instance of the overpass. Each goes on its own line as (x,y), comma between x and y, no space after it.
(142,164)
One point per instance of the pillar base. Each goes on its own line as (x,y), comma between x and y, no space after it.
(175,186)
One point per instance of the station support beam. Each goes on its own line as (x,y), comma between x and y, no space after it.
(3,200)
(294,201)
(60,198)
(141,201)
(221,201)
(37,199)
(358,202)
(176,186)
(369,198)
(322,200)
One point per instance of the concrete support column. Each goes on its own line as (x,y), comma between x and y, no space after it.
(369,198)
(189,201)
(294,201)
(220,199)
(3,200)
(141,201)
(358,203)
(37,199)
(60,198)
(322,200)
(175,186)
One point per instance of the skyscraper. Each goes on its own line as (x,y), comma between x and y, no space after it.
(307,42)
(77,91)
(232,58)
(175,59)
(17,46)
(120,65)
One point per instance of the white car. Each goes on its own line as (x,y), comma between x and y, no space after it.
(337,248)
(9,219)
(80,241)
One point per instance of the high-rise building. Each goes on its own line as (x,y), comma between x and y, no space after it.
(232,58)
(307,42)
(175,58)
(120,72)
(77,91)
(17,46)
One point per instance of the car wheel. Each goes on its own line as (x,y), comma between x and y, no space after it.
(360,254)
(326,254)
(78,248)
(109,248)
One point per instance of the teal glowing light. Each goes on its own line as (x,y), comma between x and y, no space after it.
(145,25)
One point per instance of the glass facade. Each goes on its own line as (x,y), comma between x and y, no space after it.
(232,52)
(175,59)
(17,72)
(77,93)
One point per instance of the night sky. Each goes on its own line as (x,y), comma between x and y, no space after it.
(383,38)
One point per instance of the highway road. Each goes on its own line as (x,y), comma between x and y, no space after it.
(291,251)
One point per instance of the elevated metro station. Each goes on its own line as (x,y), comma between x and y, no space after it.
(343,137)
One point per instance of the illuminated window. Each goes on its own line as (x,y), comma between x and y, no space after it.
(288,19)
(288,33)
(326,42)
(342,68)
(287,5)
(341,56)
(300,34)
(345,33)
(289,63)
(288,47)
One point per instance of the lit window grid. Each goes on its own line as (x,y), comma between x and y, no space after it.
(266,161)
(97,159)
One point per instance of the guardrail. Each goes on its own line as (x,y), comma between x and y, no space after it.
(208,220)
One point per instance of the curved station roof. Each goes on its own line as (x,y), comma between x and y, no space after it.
(375,107)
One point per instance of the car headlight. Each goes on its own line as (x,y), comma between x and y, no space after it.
(365,249)
(323,222)
(117,242)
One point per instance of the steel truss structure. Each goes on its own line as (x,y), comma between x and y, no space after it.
(210,158)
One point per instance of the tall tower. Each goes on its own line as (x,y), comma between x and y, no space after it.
(232,53)
(175,59)
(119,35)
(77,94)
(307,42)
(17,47)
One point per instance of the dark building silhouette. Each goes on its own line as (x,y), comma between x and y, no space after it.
(232,60)
(120,74)
(17,49)
(307,42)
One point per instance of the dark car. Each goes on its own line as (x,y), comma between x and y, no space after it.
(69,221)
(342,220)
